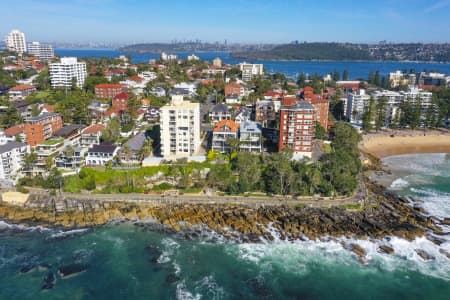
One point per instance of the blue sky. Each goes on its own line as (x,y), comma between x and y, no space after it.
(267,21)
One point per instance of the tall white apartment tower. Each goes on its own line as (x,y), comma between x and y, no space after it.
(43,51)
(180,128)
(62,73)
(15,41)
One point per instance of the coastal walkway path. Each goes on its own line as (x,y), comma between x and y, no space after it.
(253,201)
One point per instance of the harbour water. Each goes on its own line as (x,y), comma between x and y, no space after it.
(289,68)
(137,261)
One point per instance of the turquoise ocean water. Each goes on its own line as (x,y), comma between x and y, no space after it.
(126,261)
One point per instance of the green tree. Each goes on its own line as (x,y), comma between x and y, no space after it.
(301,81)
(381,111)
(248,167)
(320,132)
(336,75)
(345,75)
(112,131)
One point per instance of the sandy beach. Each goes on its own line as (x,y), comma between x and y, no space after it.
(406,142)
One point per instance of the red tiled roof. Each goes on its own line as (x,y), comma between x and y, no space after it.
(49,108)
(14,130)
(122,95)
(234,84)
(136,78)
(21,87)
(108,86)
(228,123)
(94,128)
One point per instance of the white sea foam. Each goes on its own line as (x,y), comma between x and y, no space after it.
(62,234)
(208,286)
(170,246)
(296,257)
(399,183)
(183,293)
(5,225)
(435,203)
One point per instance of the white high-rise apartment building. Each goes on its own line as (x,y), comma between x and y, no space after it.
(12,156)
(15,41)
(250,70)
(356,103)
(62,73)
(43,51)
(180,128)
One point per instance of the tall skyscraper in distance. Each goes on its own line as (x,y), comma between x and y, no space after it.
(15,41)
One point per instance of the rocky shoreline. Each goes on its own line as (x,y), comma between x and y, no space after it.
(384,215)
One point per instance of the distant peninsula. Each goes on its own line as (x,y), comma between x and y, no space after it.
(351,52)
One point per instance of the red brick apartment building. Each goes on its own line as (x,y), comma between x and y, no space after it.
(320,103)
(108,90)
(120,102)
(42,127)
(297,128)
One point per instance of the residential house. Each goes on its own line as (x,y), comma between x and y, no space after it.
(90,135)
(131,150)
(71,158)
(243,114)
(232,99)
(70,133)
(46,152)
(99,155)
(15,131)
(224,130)
(265,112)
(234,88)
(250,136)
(21,91)
(12,156)
(158,91)
(219,112)
(42,127)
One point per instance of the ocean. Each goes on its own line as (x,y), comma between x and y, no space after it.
(137,261)
(289,68)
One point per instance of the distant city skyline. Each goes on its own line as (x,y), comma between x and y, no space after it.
(239,21)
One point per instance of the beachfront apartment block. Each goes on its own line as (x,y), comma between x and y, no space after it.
(43,51)
(12,157)
(250,70)
(15,42)
(64,72)
(180,128)
(297,128)
(42,127)
(356,103)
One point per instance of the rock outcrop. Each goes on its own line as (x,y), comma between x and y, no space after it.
(386,215)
